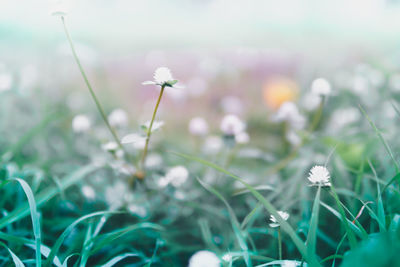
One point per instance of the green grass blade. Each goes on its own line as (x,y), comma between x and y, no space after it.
(394,179)
(381,210)
(312,232)
(234,221)
(118,258)
(68,230)
(16,260)
(311,259)
(65,262)
(47,194)
(34,216)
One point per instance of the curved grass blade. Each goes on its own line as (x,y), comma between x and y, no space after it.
(234,222)
(394,179)
(65,262)
(47,194)
(311,259)
(68,230)
(381,210)
(16,260)
(312,232)
(118,258)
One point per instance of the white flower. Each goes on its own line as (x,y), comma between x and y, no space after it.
(153,161)
(81,123)
(59,9)
(137,140)
(292,263)
(110,146)
(116,194)
(232,125)
(162,77)
(289,112)
(212,144)
(88,192)
(204,258)
(311,101)
(118,118)
(198,126)
(319,176)
(293,138)
(227,257)
(274,221)
(177,175)
(321,87)
(5,81)
(137,210)
(242,138)
(156,125)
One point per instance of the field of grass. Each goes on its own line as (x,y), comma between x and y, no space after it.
(303,171)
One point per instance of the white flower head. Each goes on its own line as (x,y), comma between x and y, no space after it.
(6,81)
(319,176)
(321,87)
(274,221)
(157,125)
(110,146)
(116,194)
(88,192)
(162,77)
(59,9)
(204,258)
(137,140)
(81,123)
(212,144)
(118,118)
(232,125)
(242,138)
(198,126)
(289,112)
(177,175)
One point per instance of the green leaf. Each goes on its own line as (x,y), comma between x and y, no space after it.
(311,259)
(312,232)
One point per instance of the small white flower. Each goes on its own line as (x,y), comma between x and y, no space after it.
(153,161)
(232,104)
(274,221)
(81,123)
(177,175)
(242,138)
(227,257)
(59,9)
(137,210)
(198,126)
(204,258)
(321,87)
(162,77)
(156,125)
(212,144)
(118,118)
(116,194)
(319,176)
(5,81)
(292,263)
(162,182)
(110,146)
(232,125)
(88,192)
(289,112)
(137,140)
(311,101)
(293,138)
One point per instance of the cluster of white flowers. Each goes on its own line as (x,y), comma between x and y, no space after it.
(118,118)
(176,176)
(319,176)
(204,258)
(231,125)
(198,126)
(274,221)
(81,124)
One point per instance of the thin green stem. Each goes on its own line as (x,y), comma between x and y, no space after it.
(98,105)
(280,242)
(146,147)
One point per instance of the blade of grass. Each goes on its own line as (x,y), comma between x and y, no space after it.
(234,222)
(311,259)
(16,260)
(312,232)
(119,258)
(381,210)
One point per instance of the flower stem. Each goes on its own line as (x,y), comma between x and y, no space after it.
(143,160)
(280,242)
(98,105)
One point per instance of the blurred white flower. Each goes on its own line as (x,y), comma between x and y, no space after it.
(311,101)
(59,9)
(321,87)
(293,138)
(6,80)
(394,82)
(81,123)
(110,146)
(153,161)
(212,144)
(232,125)
(177,175)
(162,77)
(88,192)
(163,182)
(360,84)
(274,221)
(137,210)
(116,194)
(204,258)
(344,116)
(227,257)
(242,138)
(290,263)
(198,126)
(179,195)
(289,112)
(156,125)
(136,140)
(232,104)
(319,176)
(118,118)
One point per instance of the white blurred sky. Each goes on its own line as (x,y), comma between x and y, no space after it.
(134,24)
